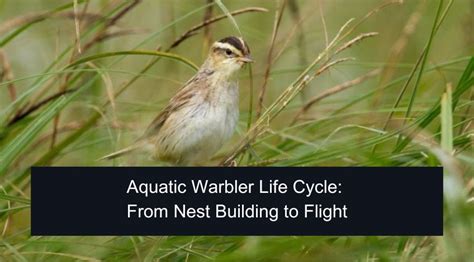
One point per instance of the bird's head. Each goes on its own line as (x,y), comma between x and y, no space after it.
(229,54)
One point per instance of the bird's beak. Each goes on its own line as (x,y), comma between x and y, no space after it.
(246,59)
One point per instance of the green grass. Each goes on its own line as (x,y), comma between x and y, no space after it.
(421,115)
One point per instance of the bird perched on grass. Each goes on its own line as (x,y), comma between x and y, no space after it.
(203,114)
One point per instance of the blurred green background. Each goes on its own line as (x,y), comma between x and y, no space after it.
(389,112)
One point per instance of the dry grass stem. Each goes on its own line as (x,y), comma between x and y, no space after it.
(122,13)
(326,66)
(373,12)
(396,52)
(297,28)
(101,35)
(20,115)
(194,30)
(323,22)
(354,41)
(109,88)
(37,17)
(77,28)
(122,32)
(7,220)
(207,29)
(6,74)
(276,26)
(334,90)
(300,40)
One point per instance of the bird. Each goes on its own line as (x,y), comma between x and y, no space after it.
(203,113)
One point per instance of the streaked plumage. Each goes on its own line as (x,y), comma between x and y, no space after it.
(203,114)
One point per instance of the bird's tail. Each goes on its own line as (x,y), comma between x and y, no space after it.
(122,152)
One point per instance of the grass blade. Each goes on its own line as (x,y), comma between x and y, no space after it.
(447,120)
(136,52)
(17,145)
(15,252)
(229,15)
(14,198)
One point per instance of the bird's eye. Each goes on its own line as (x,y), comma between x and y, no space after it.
(228,52)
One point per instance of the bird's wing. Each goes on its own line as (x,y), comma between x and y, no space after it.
(181,99)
